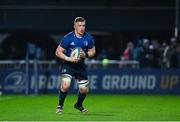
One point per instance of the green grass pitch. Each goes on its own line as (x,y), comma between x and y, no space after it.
(101,107)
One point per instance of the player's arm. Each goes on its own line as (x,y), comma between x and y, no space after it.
(60,54)
(90,53)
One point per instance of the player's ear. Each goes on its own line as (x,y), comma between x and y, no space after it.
(74,26)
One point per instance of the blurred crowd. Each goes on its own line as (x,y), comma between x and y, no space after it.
(149,53)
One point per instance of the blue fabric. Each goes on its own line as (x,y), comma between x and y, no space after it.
(78,72)
(70,41)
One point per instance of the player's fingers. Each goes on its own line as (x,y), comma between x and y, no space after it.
(82,54)
(82,51)
(75,60)
(78,59)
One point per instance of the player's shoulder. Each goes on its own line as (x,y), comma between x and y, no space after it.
(88,35)
(69,35)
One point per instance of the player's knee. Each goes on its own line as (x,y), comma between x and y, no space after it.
(65,82)
(83,86)
(84,90)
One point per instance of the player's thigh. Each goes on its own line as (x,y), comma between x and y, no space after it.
(82,81)
(65,81)
(83,86)
(66,77)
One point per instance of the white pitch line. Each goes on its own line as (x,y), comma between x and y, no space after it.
(7,98)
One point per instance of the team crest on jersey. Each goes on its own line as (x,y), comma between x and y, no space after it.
(85,43)
(64,70)
(72,43)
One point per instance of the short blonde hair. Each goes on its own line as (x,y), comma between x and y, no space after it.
(79,19)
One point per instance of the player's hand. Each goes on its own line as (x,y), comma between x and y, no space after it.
(74,59)
(82,54)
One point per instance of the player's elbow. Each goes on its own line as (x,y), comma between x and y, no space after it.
(57,53)
(93,53)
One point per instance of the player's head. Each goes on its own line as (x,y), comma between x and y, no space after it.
(79,25)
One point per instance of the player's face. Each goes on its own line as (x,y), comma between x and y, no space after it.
(79,27)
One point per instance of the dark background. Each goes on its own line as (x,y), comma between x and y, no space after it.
(113,23)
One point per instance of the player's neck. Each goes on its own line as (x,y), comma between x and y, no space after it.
(78,35)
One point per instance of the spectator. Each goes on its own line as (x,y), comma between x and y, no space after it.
(128,52)
(155,54)
(137,50)
(168,51)
(103,53)
(146,55)
(175,57)
(112,54)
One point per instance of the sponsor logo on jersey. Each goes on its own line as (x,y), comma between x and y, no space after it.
(72,43)
(85,43)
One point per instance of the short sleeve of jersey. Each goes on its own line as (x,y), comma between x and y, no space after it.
(91,42)
(64,42)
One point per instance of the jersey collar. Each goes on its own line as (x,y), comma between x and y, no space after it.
(78,37)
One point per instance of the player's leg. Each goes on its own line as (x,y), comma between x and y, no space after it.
(83,90)
(83,85)
(64,87)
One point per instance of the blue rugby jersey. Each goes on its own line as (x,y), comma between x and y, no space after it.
(71,41)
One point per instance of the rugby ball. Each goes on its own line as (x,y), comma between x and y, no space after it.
(75,52)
